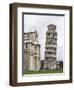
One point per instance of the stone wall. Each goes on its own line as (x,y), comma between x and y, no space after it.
(50,48)
(31,51)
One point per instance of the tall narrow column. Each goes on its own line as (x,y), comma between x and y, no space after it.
(50,48)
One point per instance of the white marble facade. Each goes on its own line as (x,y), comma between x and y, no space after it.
(31,51)
(50,47)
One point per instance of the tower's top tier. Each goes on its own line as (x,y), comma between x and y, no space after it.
(51,27)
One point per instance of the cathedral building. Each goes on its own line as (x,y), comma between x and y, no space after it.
(31,51)
(50,48)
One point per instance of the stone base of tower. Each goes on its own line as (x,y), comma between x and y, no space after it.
(49,65)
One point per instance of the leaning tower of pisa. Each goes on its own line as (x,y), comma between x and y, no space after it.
(50,47)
